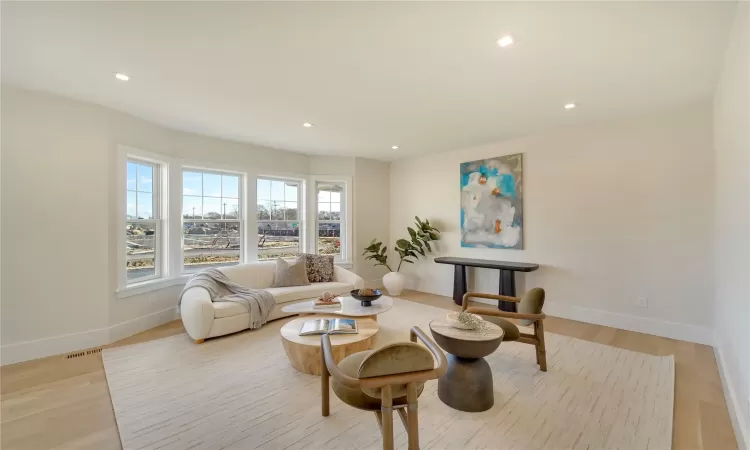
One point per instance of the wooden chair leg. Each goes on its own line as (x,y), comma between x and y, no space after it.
(541,350)
(200,341)
(387,411)
(412,417)
(325,402)
(404,419)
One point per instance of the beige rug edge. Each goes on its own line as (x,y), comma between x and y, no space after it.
(112,353)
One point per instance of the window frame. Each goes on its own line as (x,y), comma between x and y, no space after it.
(156,221)
(241,217)
(160,206)
(301,212)
(347,243)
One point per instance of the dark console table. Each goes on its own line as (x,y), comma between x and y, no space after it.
(507,276)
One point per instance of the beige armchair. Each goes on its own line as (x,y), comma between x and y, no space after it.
(529,313)
(382,380)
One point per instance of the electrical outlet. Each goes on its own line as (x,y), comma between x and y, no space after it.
(642,302)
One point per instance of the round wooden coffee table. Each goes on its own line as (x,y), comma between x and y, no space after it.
(304,351)
(467,384)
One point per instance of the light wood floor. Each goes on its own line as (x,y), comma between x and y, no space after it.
(56,403)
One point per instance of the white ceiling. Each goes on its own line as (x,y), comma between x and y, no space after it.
(426,76)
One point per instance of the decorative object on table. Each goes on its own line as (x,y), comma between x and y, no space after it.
(467,321)
(366,296)
(467,383)
(319,267)
(330,326)
(507,276)
(350,307)
(380,381)
(529,313)
(492,202)
(408,251)
(327,300)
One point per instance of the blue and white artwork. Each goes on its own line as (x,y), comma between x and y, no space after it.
(492,202)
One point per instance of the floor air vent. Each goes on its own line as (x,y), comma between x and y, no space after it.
(84,353)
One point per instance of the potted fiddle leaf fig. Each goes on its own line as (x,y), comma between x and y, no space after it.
(408,251)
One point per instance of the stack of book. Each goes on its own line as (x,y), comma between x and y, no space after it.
(321,303)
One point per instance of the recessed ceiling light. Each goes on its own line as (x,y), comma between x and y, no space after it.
(505,41)
(395,147)
(122,77)
(570,105)
(307,125)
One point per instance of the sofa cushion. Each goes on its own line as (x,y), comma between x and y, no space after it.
(282,295)
(319,267)
(228,309)
(290,273)
(257,275)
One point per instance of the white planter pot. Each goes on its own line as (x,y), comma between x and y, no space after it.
(394,282)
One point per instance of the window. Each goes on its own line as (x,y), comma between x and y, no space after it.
(331,220)
(279,218)
(211,220)
(143,224)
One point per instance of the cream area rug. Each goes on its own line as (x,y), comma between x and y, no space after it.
(241,392)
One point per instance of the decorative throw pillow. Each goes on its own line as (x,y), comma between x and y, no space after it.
(319,267)
(290,273)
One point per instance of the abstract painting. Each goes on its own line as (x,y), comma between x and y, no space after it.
(492,202)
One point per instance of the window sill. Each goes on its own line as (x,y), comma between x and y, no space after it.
(343,264)
(149,286)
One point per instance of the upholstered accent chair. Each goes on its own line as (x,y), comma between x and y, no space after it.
(382,380)
(529,313)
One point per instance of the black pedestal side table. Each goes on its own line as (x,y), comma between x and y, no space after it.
(467,384)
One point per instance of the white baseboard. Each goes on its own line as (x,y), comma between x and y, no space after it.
(41,348)
(647,325)
(734,403)
(141,324)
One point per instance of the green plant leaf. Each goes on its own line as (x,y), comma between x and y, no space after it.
(411,231)
(429,249)
(402,243)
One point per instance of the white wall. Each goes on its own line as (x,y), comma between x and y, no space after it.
(59,167)
(370,205)
(613,211)
(332,165)
(58,176)
(54,182)
(371,215)
(732,145)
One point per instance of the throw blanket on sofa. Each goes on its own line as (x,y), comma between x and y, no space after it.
(259,303)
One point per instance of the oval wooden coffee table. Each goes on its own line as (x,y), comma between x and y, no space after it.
(467,384)
(304,351)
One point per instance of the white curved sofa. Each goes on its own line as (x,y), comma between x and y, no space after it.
(204,319)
